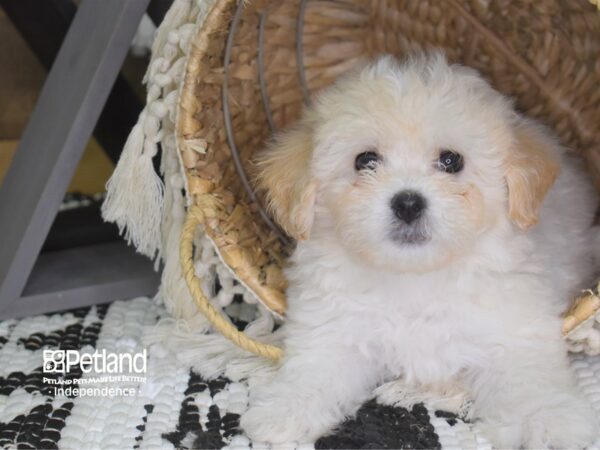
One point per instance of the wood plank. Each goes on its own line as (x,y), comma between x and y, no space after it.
(84,276)
(60,126)
(44,25)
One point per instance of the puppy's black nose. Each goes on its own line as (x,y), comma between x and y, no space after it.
(408,206)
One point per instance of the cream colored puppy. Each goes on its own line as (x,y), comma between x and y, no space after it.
(440,236)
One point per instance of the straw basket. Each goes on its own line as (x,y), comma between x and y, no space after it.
(253,65)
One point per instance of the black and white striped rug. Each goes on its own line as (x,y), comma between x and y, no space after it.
(169,405)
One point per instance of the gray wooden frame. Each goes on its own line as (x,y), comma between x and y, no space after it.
(61,124)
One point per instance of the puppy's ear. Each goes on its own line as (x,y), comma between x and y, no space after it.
(532,168)
(283,172)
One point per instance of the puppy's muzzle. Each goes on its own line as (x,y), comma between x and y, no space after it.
(408,206)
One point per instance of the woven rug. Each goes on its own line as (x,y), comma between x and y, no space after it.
(173,406)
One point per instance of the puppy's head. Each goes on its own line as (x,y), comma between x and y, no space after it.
(408,165)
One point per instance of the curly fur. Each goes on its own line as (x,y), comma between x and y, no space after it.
(476,303)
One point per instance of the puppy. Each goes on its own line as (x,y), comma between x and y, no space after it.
(440,235)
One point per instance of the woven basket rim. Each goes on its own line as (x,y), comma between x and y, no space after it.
(216,26)
(271,298)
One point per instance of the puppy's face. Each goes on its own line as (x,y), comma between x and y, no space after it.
(407,165)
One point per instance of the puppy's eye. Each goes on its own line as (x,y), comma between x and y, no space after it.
(367,161)
(450,162)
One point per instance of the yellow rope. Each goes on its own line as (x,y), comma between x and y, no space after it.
(195,216)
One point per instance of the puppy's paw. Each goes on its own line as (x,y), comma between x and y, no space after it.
(280,423)
(570,424)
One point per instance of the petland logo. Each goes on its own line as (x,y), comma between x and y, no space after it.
(107,374)
(63,361)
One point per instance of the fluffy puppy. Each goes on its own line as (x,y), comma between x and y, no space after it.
(440,235)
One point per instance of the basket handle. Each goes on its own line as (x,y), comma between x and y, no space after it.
(194,217)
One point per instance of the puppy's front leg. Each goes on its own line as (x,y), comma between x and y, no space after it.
(313,391)
(528,398)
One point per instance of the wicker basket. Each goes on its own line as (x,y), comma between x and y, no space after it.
(254,64)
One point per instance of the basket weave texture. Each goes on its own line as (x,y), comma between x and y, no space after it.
(253,65)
